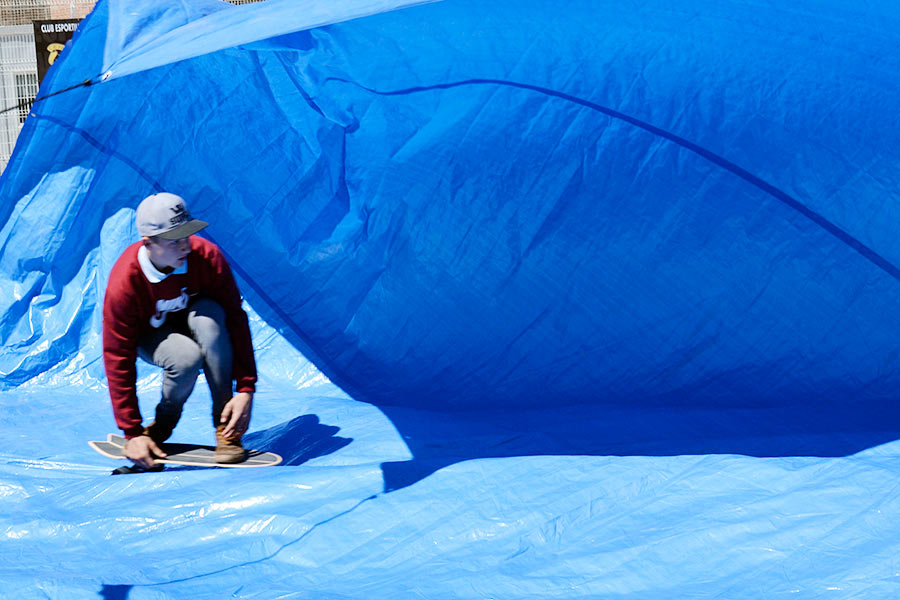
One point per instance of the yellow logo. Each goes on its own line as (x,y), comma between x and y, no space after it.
(54,50)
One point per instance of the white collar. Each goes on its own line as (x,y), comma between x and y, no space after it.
(153,274)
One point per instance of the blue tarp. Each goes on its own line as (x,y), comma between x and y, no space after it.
(593,300)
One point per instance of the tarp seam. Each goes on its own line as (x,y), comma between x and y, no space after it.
(840,234)
(273,554)
(103,148)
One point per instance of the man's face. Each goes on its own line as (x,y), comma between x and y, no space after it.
(167,254)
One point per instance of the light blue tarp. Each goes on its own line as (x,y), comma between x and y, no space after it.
(581,300)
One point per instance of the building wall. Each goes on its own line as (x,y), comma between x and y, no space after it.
(23,12)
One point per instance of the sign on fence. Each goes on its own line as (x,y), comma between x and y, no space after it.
(50,39)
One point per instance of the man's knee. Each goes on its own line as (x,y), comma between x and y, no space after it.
(206,320)
(182,360)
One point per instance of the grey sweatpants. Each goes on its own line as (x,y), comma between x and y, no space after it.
(181,346)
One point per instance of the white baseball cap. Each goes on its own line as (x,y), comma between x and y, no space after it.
(166,216)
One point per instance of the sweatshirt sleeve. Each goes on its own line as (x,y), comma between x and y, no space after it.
(120,333)
(223,289)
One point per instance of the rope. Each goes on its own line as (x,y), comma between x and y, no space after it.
(26,103)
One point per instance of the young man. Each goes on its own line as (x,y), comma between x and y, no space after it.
(173,301)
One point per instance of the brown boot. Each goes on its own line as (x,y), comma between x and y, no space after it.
(228,450)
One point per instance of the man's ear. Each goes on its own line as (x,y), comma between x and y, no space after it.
(145,241)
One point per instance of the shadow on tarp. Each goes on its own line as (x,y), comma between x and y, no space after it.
(670,426)
(299,440)
(438,440)
(115,592)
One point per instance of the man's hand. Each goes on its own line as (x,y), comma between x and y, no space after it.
(141,450)
(236,415)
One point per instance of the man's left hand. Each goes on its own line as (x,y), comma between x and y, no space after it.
(236,415)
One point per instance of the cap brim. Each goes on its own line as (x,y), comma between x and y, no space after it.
(183,230)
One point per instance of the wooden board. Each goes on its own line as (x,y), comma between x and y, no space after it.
(193,455)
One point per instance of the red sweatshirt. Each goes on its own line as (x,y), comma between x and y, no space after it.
(134,306)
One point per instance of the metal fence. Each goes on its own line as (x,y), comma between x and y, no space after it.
(18,83)
(18,64)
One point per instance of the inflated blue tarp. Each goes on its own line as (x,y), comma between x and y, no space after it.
(580,300)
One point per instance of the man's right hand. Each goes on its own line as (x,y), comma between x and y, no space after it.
(141,450)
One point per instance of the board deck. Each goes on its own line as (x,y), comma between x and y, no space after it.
(192,455)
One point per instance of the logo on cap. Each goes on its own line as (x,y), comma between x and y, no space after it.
(181,215)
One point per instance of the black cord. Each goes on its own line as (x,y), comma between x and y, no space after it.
(26,103)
